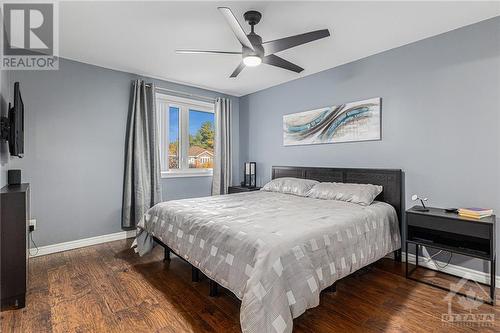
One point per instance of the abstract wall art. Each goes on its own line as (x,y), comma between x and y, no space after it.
(356,121)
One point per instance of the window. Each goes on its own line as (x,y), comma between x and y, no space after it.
(187,136)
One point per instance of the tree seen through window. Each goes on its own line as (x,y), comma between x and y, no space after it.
(201,140)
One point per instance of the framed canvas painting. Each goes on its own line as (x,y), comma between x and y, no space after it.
(356,121)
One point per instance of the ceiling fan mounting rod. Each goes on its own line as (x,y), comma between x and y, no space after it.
(252,17)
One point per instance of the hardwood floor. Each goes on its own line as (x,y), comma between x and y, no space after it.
(108,288)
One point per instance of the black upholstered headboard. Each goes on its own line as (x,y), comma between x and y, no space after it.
(390,179)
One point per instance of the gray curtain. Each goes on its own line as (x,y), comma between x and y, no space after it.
(141,186)
(222,165)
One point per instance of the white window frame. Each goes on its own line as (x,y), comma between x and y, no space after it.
(163,104)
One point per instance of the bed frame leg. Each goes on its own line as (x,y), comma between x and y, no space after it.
(397,255)
(195,274)
(214,290)
(332,288)
(167,254)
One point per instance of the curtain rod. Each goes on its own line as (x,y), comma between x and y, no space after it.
(183,94)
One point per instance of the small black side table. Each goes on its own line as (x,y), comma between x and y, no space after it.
(239,189)
(452,233)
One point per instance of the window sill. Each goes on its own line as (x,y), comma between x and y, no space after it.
(183,174)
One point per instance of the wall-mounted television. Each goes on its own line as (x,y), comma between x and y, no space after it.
(12,127)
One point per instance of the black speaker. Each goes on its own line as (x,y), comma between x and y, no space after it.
(14,177)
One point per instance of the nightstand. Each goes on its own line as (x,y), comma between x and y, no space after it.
(239,189)
(452,233)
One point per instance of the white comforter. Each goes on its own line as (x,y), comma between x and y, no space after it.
(274,251)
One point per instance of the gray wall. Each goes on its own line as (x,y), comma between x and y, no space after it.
(441,100)
(75,120)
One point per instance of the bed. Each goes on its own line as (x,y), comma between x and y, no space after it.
(276,252)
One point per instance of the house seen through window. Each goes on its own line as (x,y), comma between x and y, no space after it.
(187,139)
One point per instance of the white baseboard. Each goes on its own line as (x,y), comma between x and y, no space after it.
(460,271)
(54,248)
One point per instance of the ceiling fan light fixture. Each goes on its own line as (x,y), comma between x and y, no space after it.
(252,60)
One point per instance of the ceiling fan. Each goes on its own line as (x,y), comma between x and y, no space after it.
(254,51)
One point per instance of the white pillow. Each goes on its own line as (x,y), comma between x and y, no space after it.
(289,185)
(362,194)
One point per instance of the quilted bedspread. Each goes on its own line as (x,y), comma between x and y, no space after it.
(274,251)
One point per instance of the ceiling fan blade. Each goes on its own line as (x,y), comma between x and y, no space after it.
(238,70)
(278,45)
(205,52)
(274,60)
(236,27)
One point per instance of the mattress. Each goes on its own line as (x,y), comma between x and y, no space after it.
(274,251)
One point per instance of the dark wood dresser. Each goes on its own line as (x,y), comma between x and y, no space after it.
(14,229)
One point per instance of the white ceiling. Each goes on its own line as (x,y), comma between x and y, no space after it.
(140,37)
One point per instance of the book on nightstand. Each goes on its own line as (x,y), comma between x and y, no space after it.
(476,213)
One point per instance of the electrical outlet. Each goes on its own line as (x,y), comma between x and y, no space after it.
(32,225)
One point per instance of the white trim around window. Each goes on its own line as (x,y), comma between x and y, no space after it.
(187,173)
(163,103)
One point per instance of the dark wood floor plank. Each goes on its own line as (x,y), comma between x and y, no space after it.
(109,288)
